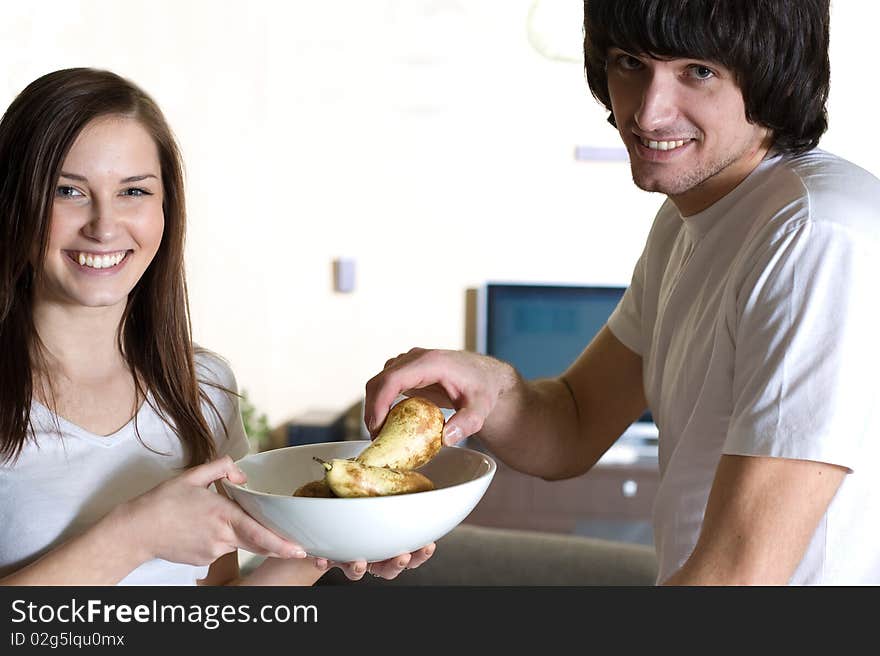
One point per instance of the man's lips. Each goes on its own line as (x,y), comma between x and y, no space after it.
(663,144)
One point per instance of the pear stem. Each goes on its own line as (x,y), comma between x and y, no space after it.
(326,464)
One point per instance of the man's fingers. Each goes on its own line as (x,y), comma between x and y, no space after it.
(419,374)
(434,393)
(413,370)
(462,424)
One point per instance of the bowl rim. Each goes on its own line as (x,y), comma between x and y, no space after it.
(493,466)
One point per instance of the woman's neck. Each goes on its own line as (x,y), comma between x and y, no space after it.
(79,343)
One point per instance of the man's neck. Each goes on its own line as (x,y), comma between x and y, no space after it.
(713,189)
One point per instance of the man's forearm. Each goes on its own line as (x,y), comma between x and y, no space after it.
(535,429)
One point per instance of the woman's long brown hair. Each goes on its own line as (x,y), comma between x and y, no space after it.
(36,133)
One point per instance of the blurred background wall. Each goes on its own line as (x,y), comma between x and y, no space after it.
(431,141)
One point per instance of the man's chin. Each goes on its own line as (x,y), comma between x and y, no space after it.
(668,185)
(656,186)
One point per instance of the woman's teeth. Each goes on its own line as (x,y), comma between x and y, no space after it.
(662,145)
(100,261)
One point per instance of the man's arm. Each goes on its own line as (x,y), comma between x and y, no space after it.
(553,428)
(760,517)
(560,427)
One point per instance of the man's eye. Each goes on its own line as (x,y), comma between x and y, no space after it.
(628,63)
(702,72)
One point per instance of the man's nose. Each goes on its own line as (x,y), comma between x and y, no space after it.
(658,107)
(103,224)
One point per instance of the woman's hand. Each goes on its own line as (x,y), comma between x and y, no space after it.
(386,569)
(184,521)
(306,572)
(470,383)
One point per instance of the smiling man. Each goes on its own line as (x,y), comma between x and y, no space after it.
(683,122)
(749,327)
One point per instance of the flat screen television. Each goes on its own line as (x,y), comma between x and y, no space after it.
(542,328)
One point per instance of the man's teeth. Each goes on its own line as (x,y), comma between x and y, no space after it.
(100,261)
(662,145)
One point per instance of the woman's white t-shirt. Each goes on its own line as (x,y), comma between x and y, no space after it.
(61,485)
(757,321)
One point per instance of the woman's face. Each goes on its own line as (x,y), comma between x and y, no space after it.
(107,220)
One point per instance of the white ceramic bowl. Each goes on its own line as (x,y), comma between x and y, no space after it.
(370,528)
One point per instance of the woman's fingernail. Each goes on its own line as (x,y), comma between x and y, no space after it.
(299,553)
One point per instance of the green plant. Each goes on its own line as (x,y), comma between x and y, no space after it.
(256,424)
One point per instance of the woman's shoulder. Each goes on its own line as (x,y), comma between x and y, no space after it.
(213,369)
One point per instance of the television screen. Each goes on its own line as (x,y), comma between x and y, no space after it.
(541,329)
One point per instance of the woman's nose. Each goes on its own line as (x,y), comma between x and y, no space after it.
(103,224)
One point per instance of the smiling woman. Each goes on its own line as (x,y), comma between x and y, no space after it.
(68,142)
(113,425)
(106,226)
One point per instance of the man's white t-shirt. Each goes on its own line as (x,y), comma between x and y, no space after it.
(61,485)
(758,325)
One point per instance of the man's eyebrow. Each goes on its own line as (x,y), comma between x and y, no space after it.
(133,178)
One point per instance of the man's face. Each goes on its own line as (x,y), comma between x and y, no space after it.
(684,125)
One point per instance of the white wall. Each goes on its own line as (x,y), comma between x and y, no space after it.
(427,139)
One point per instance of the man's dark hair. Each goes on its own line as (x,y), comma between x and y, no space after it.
(777,50)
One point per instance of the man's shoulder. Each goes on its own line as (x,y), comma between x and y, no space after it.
(829,178)
(832,188)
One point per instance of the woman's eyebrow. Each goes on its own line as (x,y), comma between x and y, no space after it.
(133,178)
(138,178)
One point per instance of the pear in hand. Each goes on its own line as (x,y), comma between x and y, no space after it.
(411,435)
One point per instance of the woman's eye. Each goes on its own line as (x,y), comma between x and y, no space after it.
(67,192)
(136,191)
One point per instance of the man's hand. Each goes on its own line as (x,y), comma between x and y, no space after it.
(471,384)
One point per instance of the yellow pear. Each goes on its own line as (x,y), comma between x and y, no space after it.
(349,478)
(411,436)
(317,488)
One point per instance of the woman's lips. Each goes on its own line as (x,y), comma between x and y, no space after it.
(93,262)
